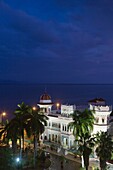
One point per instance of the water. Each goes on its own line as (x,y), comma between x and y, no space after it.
(13,94)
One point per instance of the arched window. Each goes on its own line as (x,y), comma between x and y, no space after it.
(45,138)
(103,120)
(63,127)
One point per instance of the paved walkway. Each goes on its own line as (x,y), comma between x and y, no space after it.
(69,157)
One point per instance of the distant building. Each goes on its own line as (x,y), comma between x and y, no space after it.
(57,130)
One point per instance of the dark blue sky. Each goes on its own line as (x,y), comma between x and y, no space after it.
(56,41)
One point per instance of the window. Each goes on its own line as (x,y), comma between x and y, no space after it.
(67,129)
(97,119)
(49,137)
(45,138)
(63,127)
(52,137)
(102,120)
(55,138)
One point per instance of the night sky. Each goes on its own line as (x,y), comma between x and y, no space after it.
(56,41)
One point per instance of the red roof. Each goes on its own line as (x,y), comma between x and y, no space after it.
(96,100)
(45,97)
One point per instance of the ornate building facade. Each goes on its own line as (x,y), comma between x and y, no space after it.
(57,130)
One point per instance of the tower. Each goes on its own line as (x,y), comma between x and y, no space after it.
(101,113)
(45,103)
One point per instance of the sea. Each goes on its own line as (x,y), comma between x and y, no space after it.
(12,94)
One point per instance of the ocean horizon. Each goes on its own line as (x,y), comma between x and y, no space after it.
(79,94)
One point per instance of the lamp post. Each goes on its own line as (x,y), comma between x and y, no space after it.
(57,105)
(18,162)
(3,115)
(34,108)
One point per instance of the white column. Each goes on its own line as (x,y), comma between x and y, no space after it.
(82,162)
(69,142)
(61,127)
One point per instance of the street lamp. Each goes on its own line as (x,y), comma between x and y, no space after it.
(34,108)
(57,105)
(3,115)
(18,162)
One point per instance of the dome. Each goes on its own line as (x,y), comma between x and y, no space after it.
(45,97)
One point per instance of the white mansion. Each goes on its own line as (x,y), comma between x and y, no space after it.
(57,130)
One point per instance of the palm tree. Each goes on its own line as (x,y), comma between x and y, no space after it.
(104,148)
(86,144)
(21,114)
(82,122)
(15,128)
(35,126)
(11,131)
(82,126)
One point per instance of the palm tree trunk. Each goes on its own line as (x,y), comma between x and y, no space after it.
(102,164)
(14,146)
(86,160)
(35,149)
(86,168)
(23,139)
(20,148)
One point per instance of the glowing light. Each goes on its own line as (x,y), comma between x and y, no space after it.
(57,105)
(4,114)
(17,159)
(34,108)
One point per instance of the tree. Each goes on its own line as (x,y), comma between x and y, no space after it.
(15,128)
(82,122)
(12,131)
(35,126)
(22,113)
(82,126)
(86,144)
(104,148)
